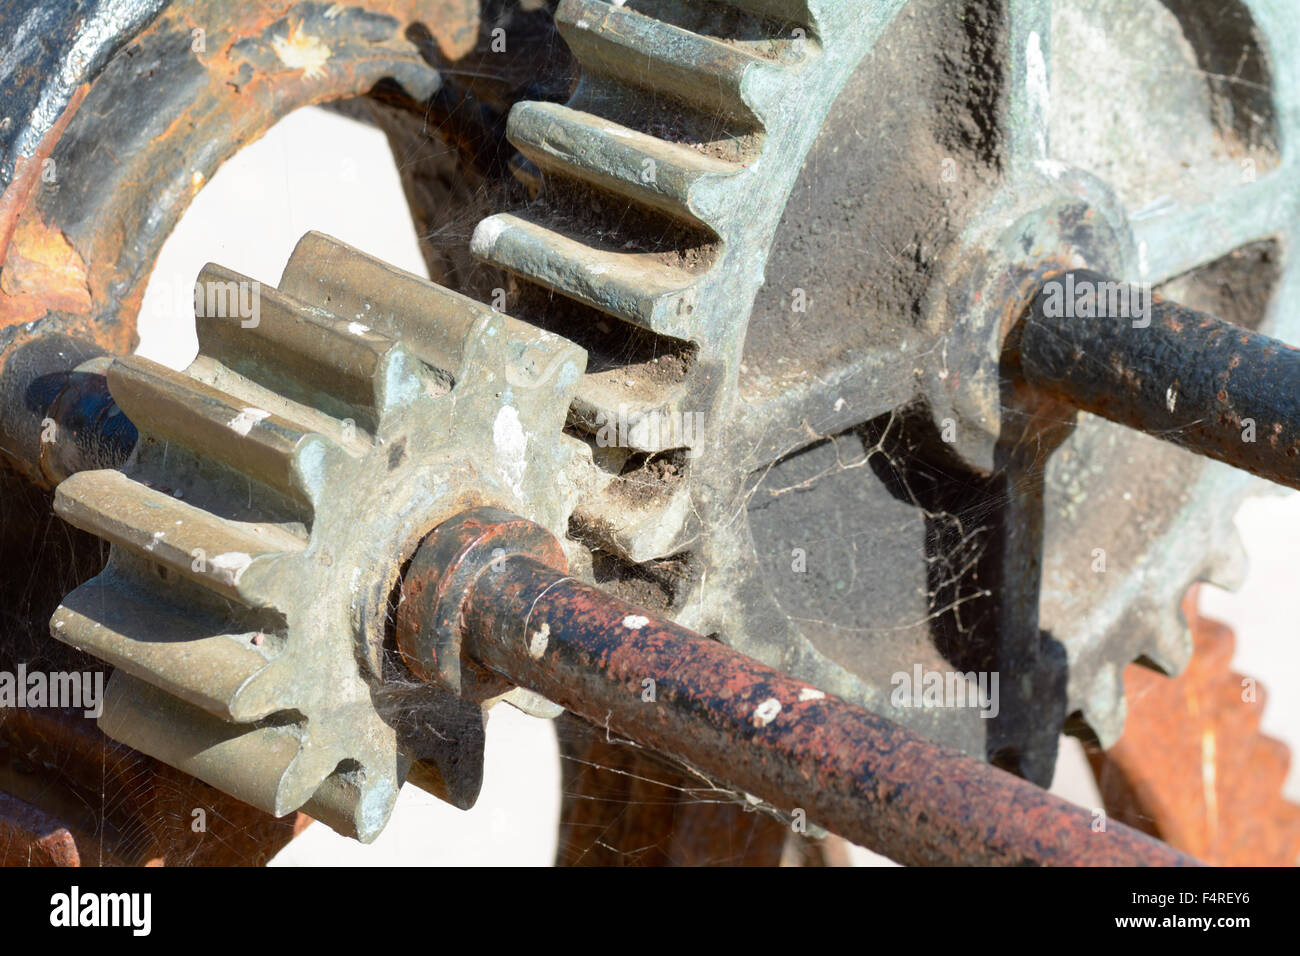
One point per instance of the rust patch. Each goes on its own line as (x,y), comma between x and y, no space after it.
(43,273)
(27,171)
(30,837)
(1192,767)
(734,719)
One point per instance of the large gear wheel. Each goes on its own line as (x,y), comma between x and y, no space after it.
(707,161)
(259,527)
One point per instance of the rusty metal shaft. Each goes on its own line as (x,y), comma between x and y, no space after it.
(1185,376)
(732,718)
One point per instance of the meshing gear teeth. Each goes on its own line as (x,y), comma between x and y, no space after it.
(278,485)
(759,77)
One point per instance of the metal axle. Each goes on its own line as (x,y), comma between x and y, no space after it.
(477,590)
(1185,376)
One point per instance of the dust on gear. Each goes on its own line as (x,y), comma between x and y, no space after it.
(278,484)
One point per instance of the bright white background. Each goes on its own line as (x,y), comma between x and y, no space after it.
(318,170)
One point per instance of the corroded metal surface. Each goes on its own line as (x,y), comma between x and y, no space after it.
(1186,376)
(1193,768)
(29,837)
(763,731)
(139,105)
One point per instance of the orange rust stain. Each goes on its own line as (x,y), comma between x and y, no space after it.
(1192,765)
(27,170)
(454,24)
(42,273)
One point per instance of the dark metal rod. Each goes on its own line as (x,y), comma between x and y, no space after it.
(738,721)
(1185,376)
(56,414)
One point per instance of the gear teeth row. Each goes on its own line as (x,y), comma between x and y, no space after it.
(722,77)
(1154,632)
(732,63)
(244,598)
(1192,748)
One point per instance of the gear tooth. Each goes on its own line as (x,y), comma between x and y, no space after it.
(293,347)
(630,286)
(311,767)
(638,528)
(1247,719)
(432,322)
(168,532)
(264,443)
(712,74)
(133,630)
(263,692)
(1215,646)
(666,176)
(1168,643)
(600,402)
(251,764)
(354,802)
(1227,564)
(1104,706)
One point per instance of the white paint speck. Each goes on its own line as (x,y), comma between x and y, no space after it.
(634,622)
(243,423)
(153,542)
(839,404)
(511,446)
(230,566)
(1040,93)
(766,712)
(356,328)
(811,693)
(1052,167)
(302,51)
(537,643)
(1171,396)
